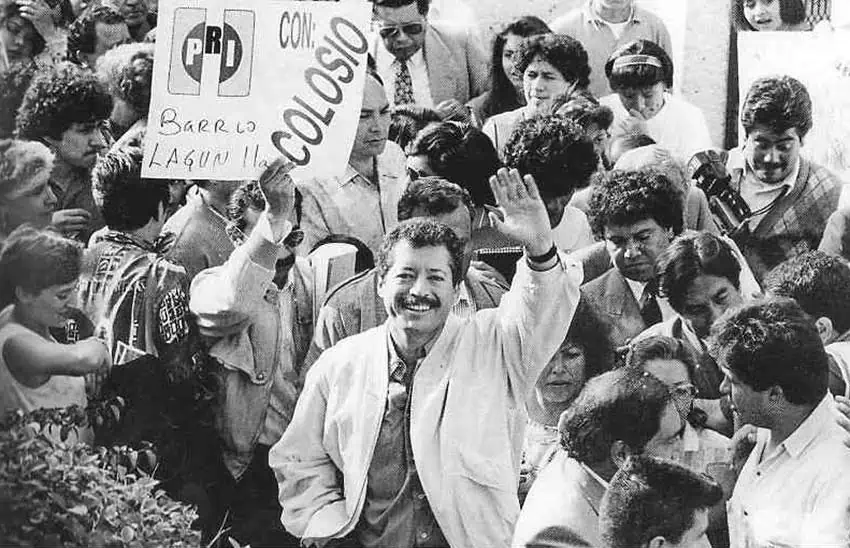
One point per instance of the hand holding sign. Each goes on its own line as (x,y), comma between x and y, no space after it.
(278,189)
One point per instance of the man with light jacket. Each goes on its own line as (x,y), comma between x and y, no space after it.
(410,434)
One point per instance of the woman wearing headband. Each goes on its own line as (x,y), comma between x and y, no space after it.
(641,75)
(551,65)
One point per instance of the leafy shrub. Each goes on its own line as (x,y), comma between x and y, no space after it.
(54,493)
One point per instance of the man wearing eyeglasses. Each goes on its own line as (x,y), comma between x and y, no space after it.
(427,64)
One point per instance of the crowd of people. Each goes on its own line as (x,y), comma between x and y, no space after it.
(575,320)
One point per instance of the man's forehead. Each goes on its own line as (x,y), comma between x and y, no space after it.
(766,134)
(401,14)
(613,230)
(405,254)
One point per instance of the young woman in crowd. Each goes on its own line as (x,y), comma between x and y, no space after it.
(580,357)
(38,277)
(505,92)
(25,196)
(29,32)
(767,15)
(551,65)
(641,74)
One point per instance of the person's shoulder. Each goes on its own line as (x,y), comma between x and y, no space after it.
(598,285)
(348,292)
(568,21)
(649,16)
(347,355)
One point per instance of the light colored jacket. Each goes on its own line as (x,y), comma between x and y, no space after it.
(467,417)
(242,293)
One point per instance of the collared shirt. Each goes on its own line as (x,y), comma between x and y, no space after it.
(418,75)
(798,495)
(464,306)
(599,40)
(397,511)
(757,194)
(638,288)
(352,204)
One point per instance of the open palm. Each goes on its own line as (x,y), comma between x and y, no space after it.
(524,217)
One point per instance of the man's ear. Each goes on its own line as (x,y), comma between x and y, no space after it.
(825,329)
(619,453)
(22,295)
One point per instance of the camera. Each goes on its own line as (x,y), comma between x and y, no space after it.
(708,170)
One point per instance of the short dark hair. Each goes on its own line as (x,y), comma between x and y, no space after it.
(583,110)
(435,195)
(36,259)
(555,151)
(660,347)
(626,197)
(422,233)
(647,64)
(408,121)
(792,12)
(779,103)
(59,97)
(462,154)
(422,6)
(620,405)
(249,195)
(502,96)
(126,200)
(819,282)
(82,33)
(127,72)
(651,497)
(11,8)
(772,342)
(589,332)
(563,52)
(692,255)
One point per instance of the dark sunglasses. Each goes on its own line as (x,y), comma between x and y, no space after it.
(410,29)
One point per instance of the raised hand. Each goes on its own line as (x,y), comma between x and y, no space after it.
(71,221)
(524,218)
(40,14)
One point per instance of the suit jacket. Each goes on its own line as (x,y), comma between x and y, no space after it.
(457,63)
(562,508)
(355,306)
(611,300)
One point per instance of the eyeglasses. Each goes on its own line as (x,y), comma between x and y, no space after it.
(392,31)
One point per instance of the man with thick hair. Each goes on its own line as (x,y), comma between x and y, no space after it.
(793,489)
(355,305)
(429,64)
(617,414)
(653,502)
(637,214)
(428,408)
(138,303)
(789,197)
(603,25)
(820,284)
(93,33)
(65,108)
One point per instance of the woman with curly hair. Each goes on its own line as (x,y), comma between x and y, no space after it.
(769,15)
(505,91)
(551,65)
(126,71)
(25,196)
(641,75)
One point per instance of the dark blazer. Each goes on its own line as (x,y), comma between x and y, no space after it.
(611,300)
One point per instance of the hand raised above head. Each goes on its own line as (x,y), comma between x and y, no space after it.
(524,214)
(278,188)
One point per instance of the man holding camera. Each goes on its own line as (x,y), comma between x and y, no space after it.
(787,198)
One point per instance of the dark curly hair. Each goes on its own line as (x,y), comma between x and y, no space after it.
(126,71)
(14,82)
(125,199)
(779,103)
(563,52)
(584,110)
(651,497)
(621,405)
(792,12)
(9,9)
(461,153)
(555,151)
(639,75)
(435,195)
(64,95)
(773,342)
(407,121)
(502,96)
(626,197)
(693,255)
(819,282)
(422,233)
(82,34)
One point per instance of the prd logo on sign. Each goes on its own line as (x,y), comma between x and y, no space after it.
(194,40)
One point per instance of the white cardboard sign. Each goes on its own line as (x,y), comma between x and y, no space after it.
(237,84)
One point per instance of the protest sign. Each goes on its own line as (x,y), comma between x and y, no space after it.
(815,59)
(237,84)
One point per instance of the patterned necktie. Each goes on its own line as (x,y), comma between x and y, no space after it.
(403,83)
(649,309)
